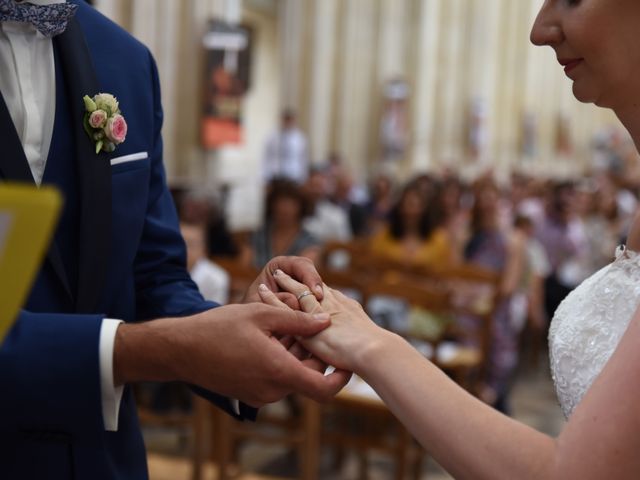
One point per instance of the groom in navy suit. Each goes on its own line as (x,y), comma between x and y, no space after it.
(117,256)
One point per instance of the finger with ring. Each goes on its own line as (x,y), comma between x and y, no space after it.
(304,294)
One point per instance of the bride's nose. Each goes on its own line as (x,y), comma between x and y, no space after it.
(547,28)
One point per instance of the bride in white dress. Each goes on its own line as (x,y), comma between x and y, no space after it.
(595,335)
(588,325)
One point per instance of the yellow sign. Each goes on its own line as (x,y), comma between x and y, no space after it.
(28,216)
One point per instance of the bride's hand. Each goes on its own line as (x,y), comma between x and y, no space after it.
(352,333)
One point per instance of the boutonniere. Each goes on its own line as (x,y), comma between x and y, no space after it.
(104,122)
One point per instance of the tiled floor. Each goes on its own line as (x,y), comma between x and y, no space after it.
(533,403)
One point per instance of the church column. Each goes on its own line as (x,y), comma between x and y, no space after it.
(291,31)
(322,86)
(115,10)
(395,29)
(157,24)
(424,120)
(356,83)
(514,40)
(450,107)
(392,50)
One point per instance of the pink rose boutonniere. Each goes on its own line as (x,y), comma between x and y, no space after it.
(104,122)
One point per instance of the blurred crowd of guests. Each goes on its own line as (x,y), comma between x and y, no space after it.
(543,236)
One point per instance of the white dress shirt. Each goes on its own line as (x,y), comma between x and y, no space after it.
(27,83)
(286,155)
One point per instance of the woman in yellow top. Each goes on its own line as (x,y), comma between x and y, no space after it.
(414,236)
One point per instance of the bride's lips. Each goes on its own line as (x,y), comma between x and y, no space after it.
(570,64)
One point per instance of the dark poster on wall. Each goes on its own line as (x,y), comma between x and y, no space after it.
(227,80)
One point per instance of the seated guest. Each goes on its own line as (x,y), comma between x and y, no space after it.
(603,222)
(493,249)
(412,236)
(211,279)
(283,232)
(345,196)
(453,205)
(564,239)
(327,221)
(380,202)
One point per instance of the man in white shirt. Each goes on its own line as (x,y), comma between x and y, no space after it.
(286,152)
(117,256)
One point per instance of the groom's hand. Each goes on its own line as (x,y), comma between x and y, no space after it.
(232,350)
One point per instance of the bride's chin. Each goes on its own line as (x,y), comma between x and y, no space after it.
(586,95)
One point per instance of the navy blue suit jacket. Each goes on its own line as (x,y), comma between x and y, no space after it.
(117,253)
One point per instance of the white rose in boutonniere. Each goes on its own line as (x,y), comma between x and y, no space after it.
(104,122)
(107,102)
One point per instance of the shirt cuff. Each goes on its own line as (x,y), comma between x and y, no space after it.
(111,395)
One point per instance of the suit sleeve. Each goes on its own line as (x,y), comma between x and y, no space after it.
(163,285)
(52,392)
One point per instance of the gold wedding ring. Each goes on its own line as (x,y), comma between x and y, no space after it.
(304,294)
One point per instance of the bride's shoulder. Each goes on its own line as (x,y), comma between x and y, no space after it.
(588,324)
(609,286)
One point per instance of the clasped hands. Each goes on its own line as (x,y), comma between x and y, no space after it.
(351,335)
(259,351)
(340,333)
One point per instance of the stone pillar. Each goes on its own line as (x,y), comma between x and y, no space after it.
(356,83)
(450,114)
(424,121)
(393,36)
(116,10)
(322,87)
(514,42)
(291,30)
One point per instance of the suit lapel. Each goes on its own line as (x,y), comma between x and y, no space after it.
(94,171)
(14,166)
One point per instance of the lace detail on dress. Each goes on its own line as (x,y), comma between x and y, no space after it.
(588,325)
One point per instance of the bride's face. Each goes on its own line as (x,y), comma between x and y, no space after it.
(597,43)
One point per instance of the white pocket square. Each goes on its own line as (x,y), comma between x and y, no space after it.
(129,158)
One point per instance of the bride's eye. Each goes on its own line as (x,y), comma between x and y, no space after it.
(573,3)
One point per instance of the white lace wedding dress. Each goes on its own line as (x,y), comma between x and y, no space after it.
(588,325)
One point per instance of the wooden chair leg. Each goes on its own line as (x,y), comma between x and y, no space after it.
(337,459)
(201,419)
(223,443)
(363,465)
(310,446)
